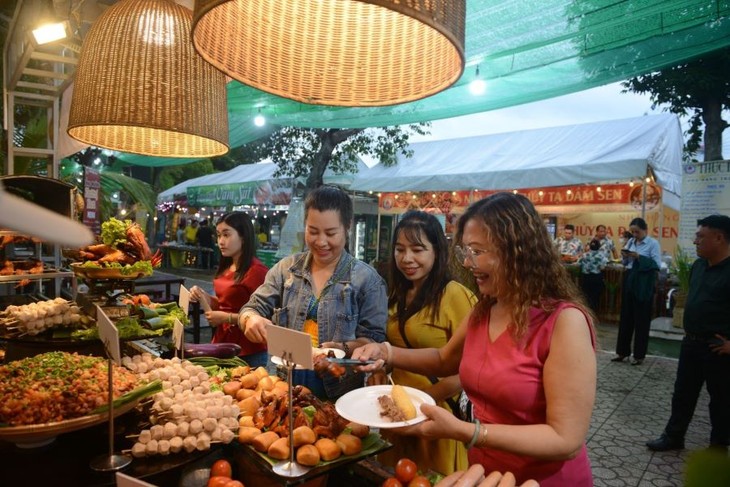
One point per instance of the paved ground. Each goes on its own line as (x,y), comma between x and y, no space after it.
(632,406)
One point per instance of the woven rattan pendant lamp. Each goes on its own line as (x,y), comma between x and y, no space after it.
(335,52)
(140,86)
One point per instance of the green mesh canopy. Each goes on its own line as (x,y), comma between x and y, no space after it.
(526,50)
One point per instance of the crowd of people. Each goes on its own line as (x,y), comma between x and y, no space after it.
(522,349)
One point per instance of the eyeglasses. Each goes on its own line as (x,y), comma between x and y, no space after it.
(466,252)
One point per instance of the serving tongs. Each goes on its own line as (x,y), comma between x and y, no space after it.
(349,361)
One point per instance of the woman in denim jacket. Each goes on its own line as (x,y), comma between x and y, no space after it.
(340,301)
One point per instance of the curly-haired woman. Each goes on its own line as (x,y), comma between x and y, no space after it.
(525,357)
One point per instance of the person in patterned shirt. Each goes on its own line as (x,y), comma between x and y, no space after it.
(592,263)
(607,245)
(569,246)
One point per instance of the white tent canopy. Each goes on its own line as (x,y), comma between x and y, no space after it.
(576,154)
(261,171)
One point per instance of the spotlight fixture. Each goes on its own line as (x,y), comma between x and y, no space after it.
(51,32)
(477,86)
(259,120)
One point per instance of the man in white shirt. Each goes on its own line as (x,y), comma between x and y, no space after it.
(607,246)
(569,246)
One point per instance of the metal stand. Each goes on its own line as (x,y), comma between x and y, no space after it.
(290,468)
(110,462)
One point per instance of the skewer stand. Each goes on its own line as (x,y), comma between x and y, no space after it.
(290,468)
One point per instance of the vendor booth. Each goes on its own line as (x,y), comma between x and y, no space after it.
(252,188)
(600,173)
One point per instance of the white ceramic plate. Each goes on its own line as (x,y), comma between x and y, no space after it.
(361,406)
(315,351)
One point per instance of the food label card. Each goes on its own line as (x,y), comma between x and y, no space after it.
(109,335)
(283,341)
(205,304)
(178,333)
(184,299)
(127,481)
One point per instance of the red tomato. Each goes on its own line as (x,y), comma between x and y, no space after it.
(218,481)
(419,481)
(405,470)
(221,468)
(234,483)
(392,482)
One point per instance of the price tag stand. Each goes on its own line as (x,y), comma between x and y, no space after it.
(110,462)
(294,348)
(290,468)
(110,336)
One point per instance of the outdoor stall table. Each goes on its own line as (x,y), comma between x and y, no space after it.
(158,279)
(180,255)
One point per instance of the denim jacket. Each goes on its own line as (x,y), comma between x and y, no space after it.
(355,306)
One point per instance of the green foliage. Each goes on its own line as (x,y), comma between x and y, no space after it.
(699,89)
(114,231)
(300,152)
(708,468)
(137,191)
(681,267)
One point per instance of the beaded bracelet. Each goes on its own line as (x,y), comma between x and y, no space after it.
(475,436)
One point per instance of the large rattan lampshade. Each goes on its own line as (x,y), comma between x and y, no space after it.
(335,52)
(140,86)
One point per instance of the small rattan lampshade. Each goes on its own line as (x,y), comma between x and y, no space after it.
(335,52)
(140,86)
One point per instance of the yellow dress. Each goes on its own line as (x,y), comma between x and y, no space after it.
(443,456)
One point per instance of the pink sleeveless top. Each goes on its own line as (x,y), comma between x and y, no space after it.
(504,383)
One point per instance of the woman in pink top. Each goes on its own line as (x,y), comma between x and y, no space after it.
(526,357)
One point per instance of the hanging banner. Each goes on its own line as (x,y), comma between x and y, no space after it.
(92,197)
(270,192)
(705,191)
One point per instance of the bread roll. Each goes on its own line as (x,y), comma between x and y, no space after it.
(349,444)
(359,430)
(308,455)
(249,406)
(246,434)
(231,388)
(250,380)
(244,421)
(265,384)
(261,372)
(304,435)
(245,394)
(279,449)
(403,401)
(263,441)
(328,449)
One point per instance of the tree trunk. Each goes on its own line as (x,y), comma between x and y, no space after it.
(322,160)
(714,126)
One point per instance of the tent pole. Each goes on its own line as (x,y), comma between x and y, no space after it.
(377,236)
(643,200)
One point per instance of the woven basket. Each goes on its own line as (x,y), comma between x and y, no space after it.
(335,52)
(140,86)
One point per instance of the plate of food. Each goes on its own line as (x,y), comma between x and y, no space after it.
(385,406)
(94,271)
(330,352)
(37,435)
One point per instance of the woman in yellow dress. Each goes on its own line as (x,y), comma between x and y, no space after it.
(425,306)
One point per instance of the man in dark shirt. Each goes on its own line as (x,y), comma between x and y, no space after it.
(205,239)
(705,352)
